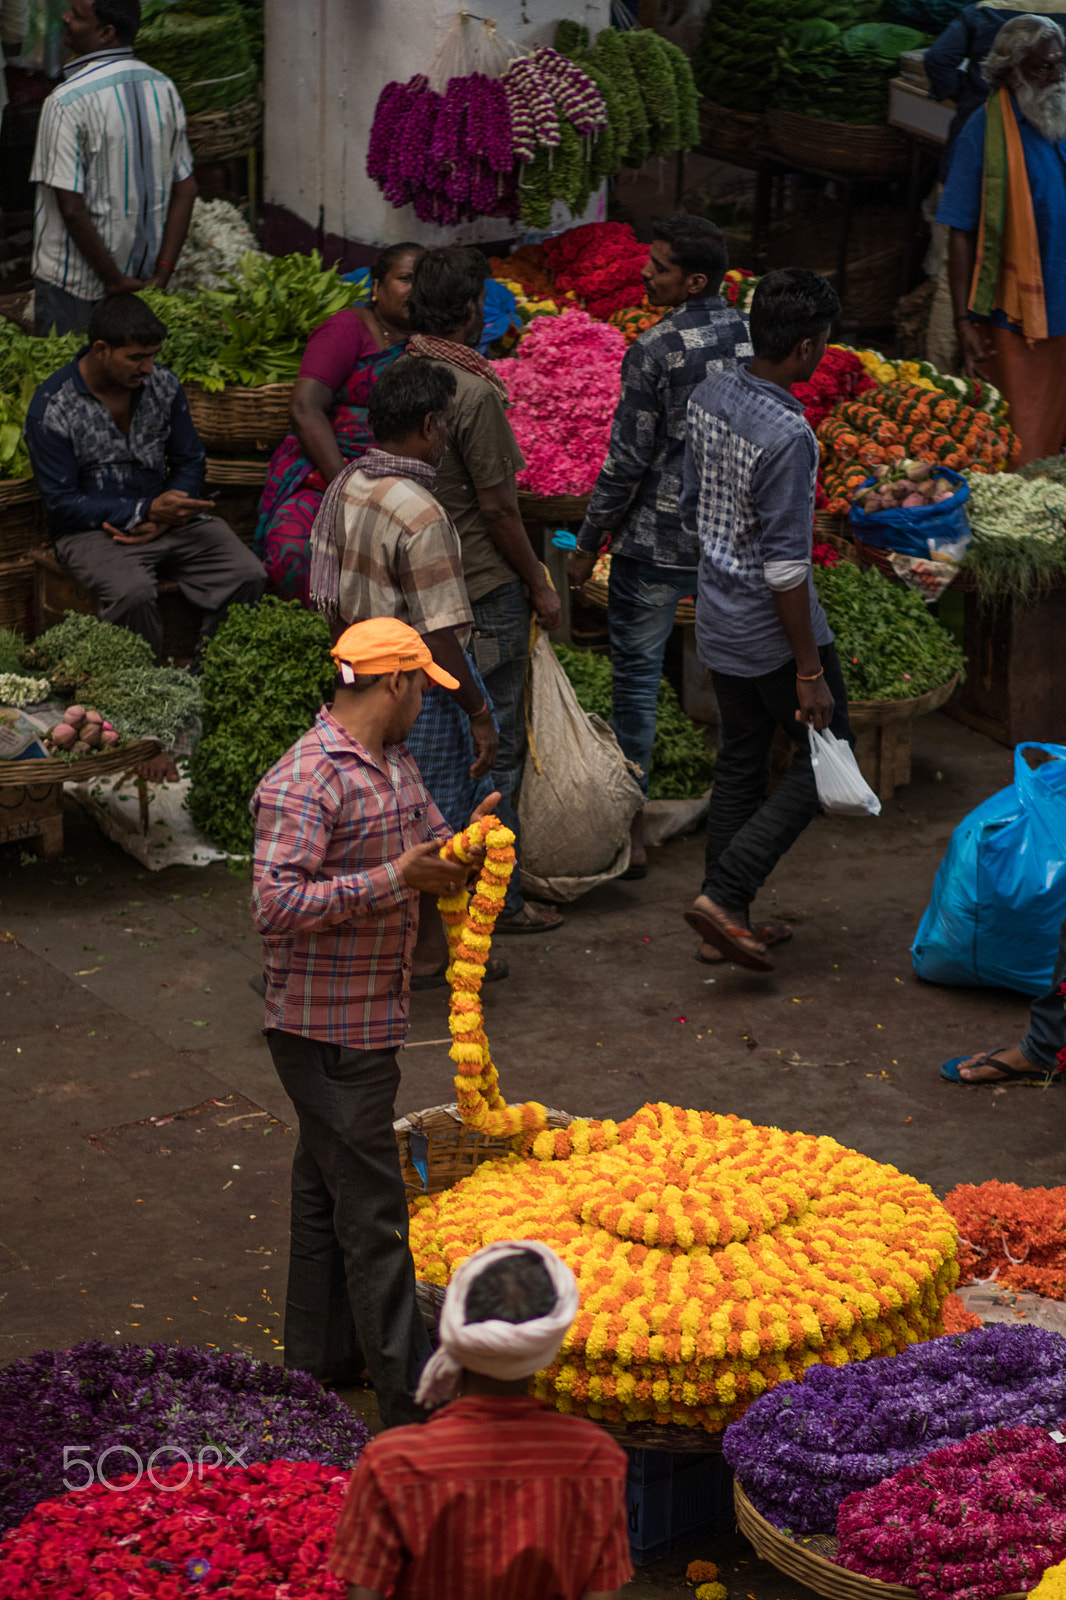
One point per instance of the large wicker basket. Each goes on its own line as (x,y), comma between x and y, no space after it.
(810,1562)
(16,595)
(237,421)
(553,508)
(741,137)
(102,765)
(234,472)
(862,713)
(841,148)
(21,517)
(436,1150)
(221,135)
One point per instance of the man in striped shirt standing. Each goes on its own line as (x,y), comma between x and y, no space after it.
(113,169)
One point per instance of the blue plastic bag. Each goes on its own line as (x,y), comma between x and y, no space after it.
(1000,892)
(916,530)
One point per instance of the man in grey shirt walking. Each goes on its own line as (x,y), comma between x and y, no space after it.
(751,460)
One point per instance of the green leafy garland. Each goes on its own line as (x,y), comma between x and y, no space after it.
(655,77)
(559,174)
(610,52)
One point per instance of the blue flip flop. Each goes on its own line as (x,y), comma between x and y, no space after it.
(950,1071)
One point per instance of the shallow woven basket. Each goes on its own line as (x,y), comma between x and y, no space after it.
(553,508)
(21,517)
(850,149)
(738,136)
(237,421)
(225,471)
(220,135)
(450,1151)
(88,767)
(864,713)
(809,1563)
(594,590)
(16,595)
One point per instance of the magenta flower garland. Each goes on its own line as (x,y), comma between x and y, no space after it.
(451,156)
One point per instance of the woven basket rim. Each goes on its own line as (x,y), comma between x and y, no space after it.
(38,771)
(236,391)
(797,1561)
(739,119)
(872,132)
(237,471)
(16,491)
(893,710)
(222,116)
(563,507)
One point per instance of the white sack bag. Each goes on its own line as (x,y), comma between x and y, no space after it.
(578,796)
(842,789)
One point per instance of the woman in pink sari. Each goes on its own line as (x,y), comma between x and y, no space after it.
(343,360)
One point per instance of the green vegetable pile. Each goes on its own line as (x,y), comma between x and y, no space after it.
(743,48)
(682,766)
(1018,528)
(842,75)
(114,670)
(203,46)
(255,330)
(890,647)
(266,672)
(24,363)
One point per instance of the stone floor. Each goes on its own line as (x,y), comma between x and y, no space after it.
(148,1141)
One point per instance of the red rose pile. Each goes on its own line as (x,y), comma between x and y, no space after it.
(840,375)
(602,262)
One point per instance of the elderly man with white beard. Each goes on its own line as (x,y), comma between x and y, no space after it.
(1005,202)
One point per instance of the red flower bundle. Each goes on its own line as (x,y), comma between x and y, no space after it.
(839,376)
(602,262)
(1019,1235)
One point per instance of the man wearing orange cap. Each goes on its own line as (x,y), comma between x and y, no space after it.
(346,840)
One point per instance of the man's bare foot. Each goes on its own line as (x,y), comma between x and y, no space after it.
(1012,1059)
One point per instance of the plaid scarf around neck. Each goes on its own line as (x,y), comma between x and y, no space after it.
(458,355)
(325,580)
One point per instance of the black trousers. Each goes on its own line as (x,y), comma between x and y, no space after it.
(351,1293)
(749,831)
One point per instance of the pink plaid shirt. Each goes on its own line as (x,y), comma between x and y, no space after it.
(337,920)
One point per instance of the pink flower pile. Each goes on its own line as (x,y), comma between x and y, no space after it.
(978,1519)
(257,1533)
(564,383)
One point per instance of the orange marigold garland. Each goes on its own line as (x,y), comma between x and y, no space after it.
(1015,1235)
(468,923)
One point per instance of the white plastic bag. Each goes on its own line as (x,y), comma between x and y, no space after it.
(577,798)
(842,789)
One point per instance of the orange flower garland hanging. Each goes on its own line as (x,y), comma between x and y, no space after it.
(468,922)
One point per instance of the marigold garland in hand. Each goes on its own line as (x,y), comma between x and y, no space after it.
(468,923)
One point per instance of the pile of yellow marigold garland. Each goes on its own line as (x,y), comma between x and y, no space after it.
(715,1258)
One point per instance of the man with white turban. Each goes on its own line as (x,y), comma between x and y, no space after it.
(497,1496)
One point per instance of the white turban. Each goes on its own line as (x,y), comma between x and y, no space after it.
(503,1350)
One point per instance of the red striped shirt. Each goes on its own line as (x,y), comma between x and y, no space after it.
(494,1498)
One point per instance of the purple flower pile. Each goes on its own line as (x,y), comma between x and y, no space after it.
(802,1448)
(98,1396)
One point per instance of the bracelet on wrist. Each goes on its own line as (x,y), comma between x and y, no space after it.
(168,264)
(482,708)
(812,678)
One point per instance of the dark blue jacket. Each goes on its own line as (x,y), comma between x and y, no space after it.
(88,471)
(969,38)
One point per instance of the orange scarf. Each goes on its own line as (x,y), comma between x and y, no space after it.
(1007,275)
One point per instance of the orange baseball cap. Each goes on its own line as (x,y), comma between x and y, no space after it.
(386,645)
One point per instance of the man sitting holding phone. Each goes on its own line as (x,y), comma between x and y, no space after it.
(119,466)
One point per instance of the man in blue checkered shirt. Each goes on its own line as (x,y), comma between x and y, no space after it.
(634,506)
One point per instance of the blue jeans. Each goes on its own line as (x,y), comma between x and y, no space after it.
(1047,1017)
(500,647)
(641,602)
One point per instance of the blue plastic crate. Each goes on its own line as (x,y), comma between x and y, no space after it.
(674,1499)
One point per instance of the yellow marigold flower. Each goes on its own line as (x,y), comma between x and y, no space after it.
(712,1591)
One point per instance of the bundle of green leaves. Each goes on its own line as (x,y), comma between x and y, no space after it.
(266,672)
(682,765)
(203,46)
(253,331)
(841,74)
(741,51)
(1018,525)
(114,670)
(890,646)
(24,363)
